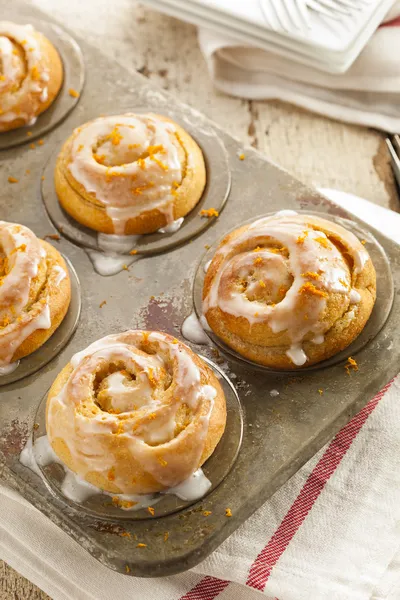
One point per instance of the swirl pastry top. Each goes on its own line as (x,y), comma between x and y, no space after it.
(30,75)
(129,174)
(34,292)
(135,413)
(289,289)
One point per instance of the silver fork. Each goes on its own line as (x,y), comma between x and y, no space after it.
(295,14)
(393,143)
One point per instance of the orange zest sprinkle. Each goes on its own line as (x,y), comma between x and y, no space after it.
(142,163)
(363,242)
(125,267)
(29,133)
(322,241)
(12,180)
(100,158)
(142,188)
(301,238)
(132,146)
(43,178)
(166,536)
(228,512)
(311,275)
(140,545)
(52,236)
(162,462)
(258,260)
(102,303)
(133,252)
(150,509)
(209,212)
(125,534)
(207,513)
(41,142)
(27,172)
(207,246)
(122,503)
(80,147)
(241,156)
(257,249)
(262,284)
(127,569)
(32,146)
(351,364)
(309,288)
(111,474)
(73,93)
(35,73)
(320,392)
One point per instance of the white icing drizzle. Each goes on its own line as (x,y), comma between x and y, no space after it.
(137,169)
(280,271)
(117,244)
(207,265)
(7,369)
(193,331)
(23,78)
(40,454)
(172,227)
(61,274)
(19,316)
(109,264)
(194,487)
(132,405)
(355,296)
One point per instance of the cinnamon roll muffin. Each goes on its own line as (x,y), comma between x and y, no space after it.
(129,174)
(31,75)
(135,413)
(35,292)
(289,290)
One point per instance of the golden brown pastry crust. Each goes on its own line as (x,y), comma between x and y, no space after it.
(88,209)
(59,298)
(337,309)
(133,458)
(40,80)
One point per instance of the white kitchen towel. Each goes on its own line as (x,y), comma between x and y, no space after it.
(332,532)
(367,94)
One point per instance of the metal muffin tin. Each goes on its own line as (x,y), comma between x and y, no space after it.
(280,433)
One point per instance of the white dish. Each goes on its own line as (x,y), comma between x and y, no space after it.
(329,45)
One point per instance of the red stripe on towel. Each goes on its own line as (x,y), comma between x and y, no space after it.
(209,588)
(268,557)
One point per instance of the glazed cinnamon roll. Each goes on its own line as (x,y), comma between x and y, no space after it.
(31,75)
(35,292)
(135,413)
(129,174)
(289,290)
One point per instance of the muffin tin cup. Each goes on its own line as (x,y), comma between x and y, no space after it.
(216,468)
(215,195)
(74,77)
(288,417)
(378,318)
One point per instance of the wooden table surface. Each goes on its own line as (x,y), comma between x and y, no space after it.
(318,151)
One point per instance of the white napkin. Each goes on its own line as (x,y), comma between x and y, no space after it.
(367,94)
(330,533)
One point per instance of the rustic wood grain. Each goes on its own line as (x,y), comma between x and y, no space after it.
(319,151)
